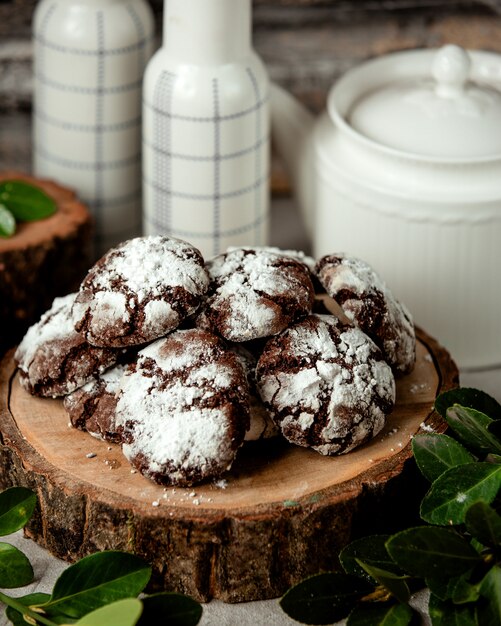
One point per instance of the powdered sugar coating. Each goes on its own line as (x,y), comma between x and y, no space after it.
(92,407)
(255,293)
(326,385)
(54,359)
(368,302)
(140,291)
(183,408)
(297,255)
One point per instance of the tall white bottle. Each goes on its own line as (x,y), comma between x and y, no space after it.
(89,61)
(206,129)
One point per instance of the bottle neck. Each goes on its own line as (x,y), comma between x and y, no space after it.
(207,31)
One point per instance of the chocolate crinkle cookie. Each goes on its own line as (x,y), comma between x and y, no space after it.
(326,385)
(140,291)
(255,293)
(368,302)
(92,407)
(183,408)
(54,359)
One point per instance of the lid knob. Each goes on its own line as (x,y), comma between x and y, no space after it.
(450,68)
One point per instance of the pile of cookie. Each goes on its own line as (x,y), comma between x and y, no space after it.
(180,361)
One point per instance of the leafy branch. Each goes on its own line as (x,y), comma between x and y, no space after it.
(456,554)
(102,588)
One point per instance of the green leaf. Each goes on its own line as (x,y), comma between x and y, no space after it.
(7,222)
(429,551)
(15,568)
(448,614)
(471,398)
(372,551)
(30,600)
(443,588)
(97,580)
(464,591)
(484,524)
(456,588)
(393,583)
(479,547)
(490,588)
(452,494)
(382,614)
(471,426)
(175,609)
(16,508)
(121,613)
(26,202)
(435,454)
(324,598)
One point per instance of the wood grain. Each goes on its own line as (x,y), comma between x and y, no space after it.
(248,537)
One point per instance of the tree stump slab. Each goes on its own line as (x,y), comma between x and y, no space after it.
(43,259)
(282,512)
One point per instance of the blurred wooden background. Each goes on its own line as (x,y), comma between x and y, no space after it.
(306,45)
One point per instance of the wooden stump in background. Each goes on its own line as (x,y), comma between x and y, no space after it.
(42,260)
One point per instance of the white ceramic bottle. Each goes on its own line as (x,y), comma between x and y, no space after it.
(89,60)
(206,129)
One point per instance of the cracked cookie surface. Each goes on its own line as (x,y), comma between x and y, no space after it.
(92,407)
(326,385)
(183,408)
(54,359)
(255,293)
(368,302)
(140,291)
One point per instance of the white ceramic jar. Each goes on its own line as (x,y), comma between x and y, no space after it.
(89,59)
(404,171)
(206,129)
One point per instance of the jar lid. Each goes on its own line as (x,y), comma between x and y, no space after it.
(442,113)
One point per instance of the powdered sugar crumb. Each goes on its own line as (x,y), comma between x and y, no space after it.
(417,387)
(426,428)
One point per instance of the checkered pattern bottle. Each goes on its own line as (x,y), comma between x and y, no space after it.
(206,129)
(89,60)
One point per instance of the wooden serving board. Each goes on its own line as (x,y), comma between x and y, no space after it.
(282,513)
